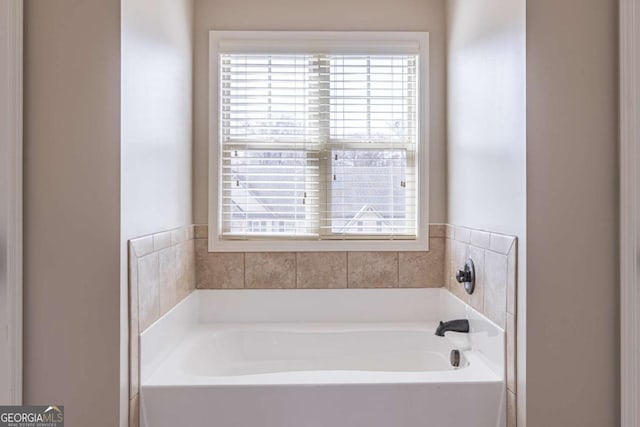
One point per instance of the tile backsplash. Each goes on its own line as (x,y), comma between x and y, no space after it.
(272,270)
(162,271)
(495,259)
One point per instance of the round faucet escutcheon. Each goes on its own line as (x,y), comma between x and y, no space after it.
(467,277)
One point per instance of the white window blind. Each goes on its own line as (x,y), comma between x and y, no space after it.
(318,146)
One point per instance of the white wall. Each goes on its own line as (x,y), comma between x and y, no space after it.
(572,210)
(157,63)
(326,15)
(486,135)
(157,54)
(486,114)
(72,208)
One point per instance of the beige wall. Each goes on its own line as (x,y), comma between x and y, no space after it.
(6,159)
(486,134)
(371,15)
(157,68)
(72,208)
(572,211)
(72,171)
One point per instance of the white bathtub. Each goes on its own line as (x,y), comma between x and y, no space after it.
(319,358)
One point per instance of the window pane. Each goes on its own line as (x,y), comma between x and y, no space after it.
(269,192)
(372,98)
(316,145)
(269,98)
(369,192)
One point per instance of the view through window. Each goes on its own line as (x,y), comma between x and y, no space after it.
(318,146)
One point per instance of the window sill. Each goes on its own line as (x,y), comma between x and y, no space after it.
(418,245)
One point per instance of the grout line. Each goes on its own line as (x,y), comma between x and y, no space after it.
(295,282)
(346,269)
(348,285)
(397,269)
(244,270)
(295,270)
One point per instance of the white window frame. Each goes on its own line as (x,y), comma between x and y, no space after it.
(330,42)
(629,91)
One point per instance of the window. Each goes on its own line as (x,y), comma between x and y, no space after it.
(318,141)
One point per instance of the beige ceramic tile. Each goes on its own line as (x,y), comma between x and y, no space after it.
(134,411)
(372,269)
(200,231)
(134,364)
(437,230)
(495,293)
(512,275)
(315,270)
(133,289)
(216,270)
(148,290)
(447,263)
(480,239)
(179,235)
(190,268)
(190,232)
(202,269)
(460,253)
(423,269)
(511,409)
(511,352)
(413,268)
(267,270)
(161,240)
(134,354)
(186,275)
(501,243)
(168,278)
(462,234)
(448,231)
(476,299)
(141,246)
(225,270)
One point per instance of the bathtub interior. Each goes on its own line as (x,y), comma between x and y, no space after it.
(248,333)
(256,349)
(312,358)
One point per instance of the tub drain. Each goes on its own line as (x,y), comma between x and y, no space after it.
(455,358)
